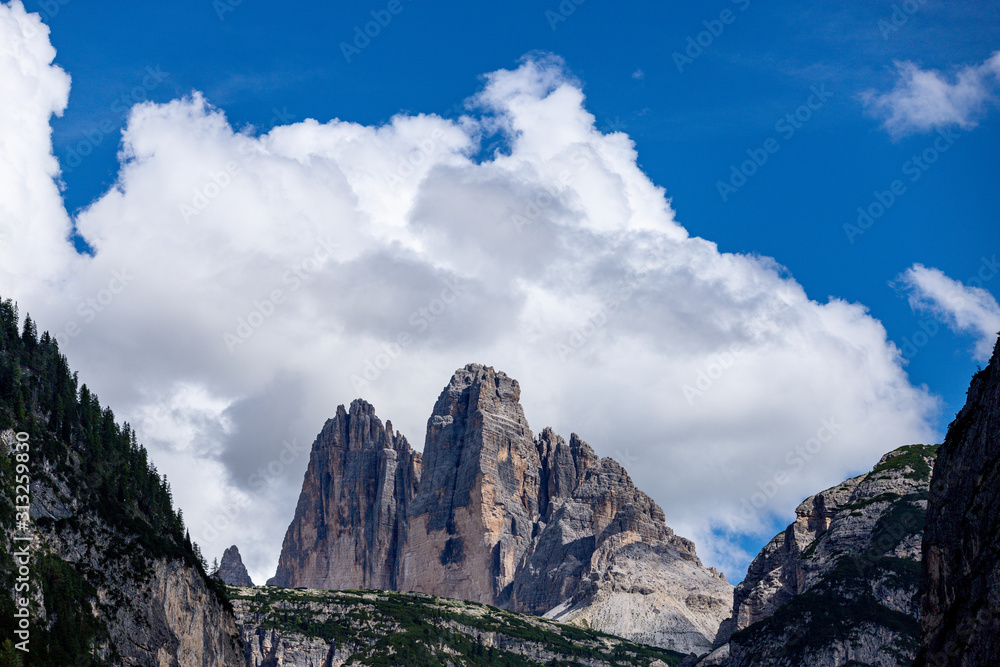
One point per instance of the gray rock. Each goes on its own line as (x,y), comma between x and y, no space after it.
(960,606)
(473,516)
(232,572)
(156,611)
(840,584)
(499,517)
(350,523)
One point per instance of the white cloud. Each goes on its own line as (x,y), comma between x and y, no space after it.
(401,256)
(966,309)
(35,224)
(924,100)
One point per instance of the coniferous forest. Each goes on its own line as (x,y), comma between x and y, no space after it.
(107,471)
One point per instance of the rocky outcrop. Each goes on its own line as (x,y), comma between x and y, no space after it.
(474,515)
(232,572)
(841,583)
(545,527)
(141,609)
(960,605)
(606,559)
(333,628)
(350,523)
(172,619)
(539,526)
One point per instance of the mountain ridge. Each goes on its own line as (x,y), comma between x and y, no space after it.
(531,524)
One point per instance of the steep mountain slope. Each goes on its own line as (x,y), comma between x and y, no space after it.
(503,518)
(839,585)
(351,519)
(308,627)
(111,577)
(960,605)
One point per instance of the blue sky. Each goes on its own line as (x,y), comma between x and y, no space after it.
(693,119)
(264,64)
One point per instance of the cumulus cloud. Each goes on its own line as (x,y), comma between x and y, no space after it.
(32,90)
(924,100)
(965,308)
(269,278)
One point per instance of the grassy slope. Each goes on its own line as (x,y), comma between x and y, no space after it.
(387,628)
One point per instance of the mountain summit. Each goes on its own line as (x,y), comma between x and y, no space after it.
(351,519)
(493,514)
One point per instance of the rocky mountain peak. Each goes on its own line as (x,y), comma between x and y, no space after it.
(848,562)
(500,517)
(563,467)
(351,519)
(232,572)
(478,500)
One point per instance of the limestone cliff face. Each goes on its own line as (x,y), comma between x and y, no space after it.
(960,605)
(350,523)
(151,610)
(543,526)
(473,516)
(606,559)
(172,620)
(232,572)
(840,584)
(536,526)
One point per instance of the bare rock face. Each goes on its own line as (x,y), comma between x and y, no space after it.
(537,526)
(544,527)
(960,605)
(777,573)
(840,585)
(351,519)
(232,572)
(473,516)
(606,559)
